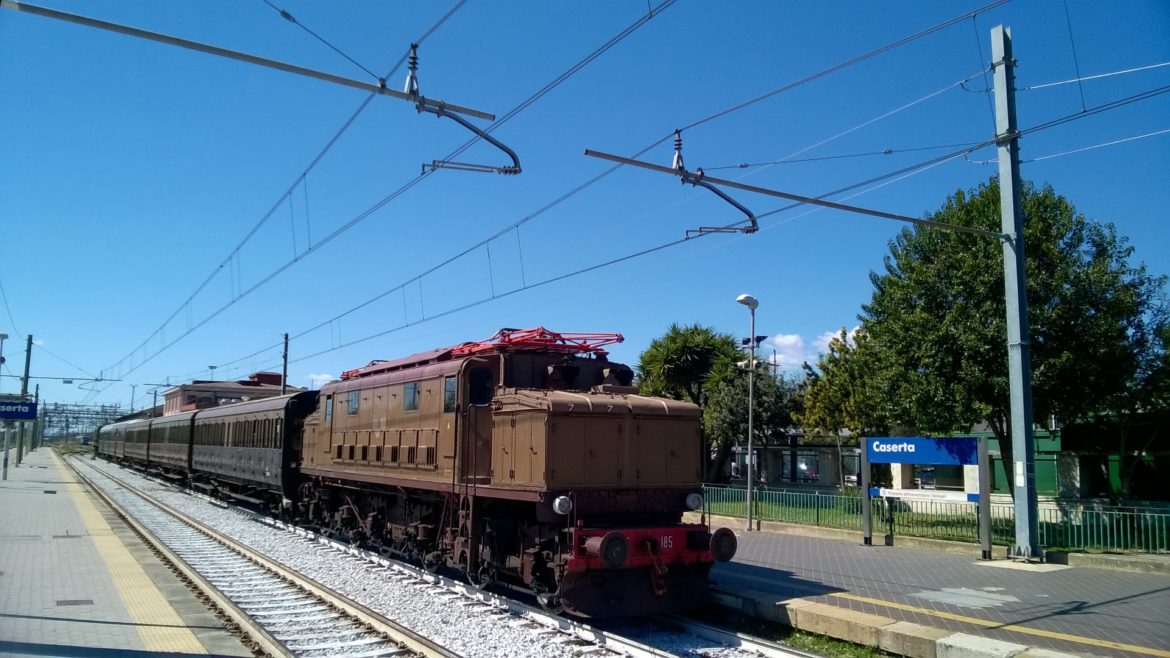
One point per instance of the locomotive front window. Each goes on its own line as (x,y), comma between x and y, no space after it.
(353,403)
(448,395)
(410,397)
(481,387)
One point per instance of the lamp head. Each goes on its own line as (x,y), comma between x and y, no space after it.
(748,301)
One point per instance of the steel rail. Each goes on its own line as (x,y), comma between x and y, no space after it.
(256,635)
(394,631)
(379,88)
(577,629)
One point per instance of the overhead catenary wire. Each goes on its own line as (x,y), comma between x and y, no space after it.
(841,156)
(286,195)
(8,309)
(1098,76)
(581,187)
(1076,63)
(578,272)
(292,19)
(902,173)
(642,20)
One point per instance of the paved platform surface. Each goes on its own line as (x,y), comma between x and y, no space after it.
(1074,610)
(75,581)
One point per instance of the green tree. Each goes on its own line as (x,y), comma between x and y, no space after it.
(840,395)
(936,321)
(680,363)
(725,418)
(684,364)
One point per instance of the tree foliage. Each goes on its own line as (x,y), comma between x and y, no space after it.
(937,329)
(775,399)
(840,390)
(680,363)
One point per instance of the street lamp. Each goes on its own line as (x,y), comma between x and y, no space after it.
(3,337)
(750,302)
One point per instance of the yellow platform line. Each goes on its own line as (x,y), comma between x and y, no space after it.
(158,624)
(1080,639)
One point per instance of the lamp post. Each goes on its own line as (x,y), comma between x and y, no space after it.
(3,337)
(750,302)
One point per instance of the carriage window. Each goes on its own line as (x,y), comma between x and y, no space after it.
(277,437)
(353,403)
(328,409)
(448,394)
(481,387)
(410,397)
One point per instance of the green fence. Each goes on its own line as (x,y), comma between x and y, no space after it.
(1070,526)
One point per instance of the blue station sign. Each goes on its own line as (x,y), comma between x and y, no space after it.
(922,450)
(10,410)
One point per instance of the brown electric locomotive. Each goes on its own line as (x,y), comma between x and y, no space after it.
(528,458)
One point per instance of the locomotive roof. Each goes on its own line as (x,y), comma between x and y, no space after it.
(537,339)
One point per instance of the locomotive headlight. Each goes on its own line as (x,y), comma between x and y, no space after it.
(694,501)
(562,505)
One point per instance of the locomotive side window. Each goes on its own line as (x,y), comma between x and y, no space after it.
(353,403)
(328,409)
(481,386)
(410,397)
(448,394)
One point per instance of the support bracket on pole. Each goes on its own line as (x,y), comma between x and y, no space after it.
(440,110)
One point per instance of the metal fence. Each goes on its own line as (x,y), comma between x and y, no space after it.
(1068,525)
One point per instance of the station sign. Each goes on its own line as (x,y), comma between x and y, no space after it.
(17,410)
(955,451)
(934,495)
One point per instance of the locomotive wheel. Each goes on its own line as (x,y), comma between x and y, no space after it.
(550,602)
(432,562)
(483,578)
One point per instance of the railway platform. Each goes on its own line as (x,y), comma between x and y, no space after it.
(931,604)
(76,581)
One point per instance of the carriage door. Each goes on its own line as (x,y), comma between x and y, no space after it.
(478,377)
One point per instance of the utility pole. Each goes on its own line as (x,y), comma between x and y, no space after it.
(23,396)
(133,387)
(1023,470)
(284,372)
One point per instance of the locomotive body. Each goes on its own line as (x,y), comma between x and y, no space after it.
(521,459)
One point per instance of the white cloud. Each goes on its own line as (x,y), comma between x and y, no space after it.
(317,379)
(788,351)
(822,341)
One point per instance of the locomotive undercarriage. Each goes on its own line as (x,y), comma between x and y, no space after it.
(493,540)
(486,540)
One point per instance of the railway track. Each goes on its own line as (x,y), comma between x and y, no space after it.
(281,612)
(549,635)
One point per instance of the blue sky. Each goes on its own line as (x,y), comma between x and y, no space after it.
(131,170)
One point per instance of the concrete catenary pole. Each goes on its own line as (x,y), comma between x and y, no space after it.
(1023,468)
